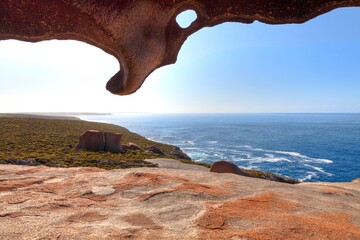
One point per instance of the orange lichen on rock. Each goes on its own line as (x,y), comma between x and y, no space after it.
(202,188)
(10,184)
(141,220)
(87,217)
(145,227)
(160,203)
(30,171)
(267,216)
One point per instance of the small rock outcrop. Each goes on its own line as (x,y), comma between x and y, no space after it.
(91,140)
(97,141)
(132,146)
(177,152)
(227,167)
(155,150)
(113,142)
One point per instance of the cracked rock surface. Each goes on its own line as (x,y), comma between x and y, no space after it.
(143,35)
(166,203)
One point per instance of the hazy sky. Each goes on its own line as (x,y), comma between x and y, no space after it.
(233,67)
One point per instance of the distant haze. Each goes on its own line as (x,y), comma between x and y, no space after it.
(233,67)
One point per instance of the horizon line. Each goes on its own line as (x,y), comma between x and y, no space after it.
(115,113)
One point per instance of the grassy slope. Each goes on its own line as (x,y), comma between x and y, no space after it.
(51,142)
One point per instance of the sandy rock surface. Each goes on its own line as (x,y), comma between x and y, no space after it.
(165,203)
(175,164)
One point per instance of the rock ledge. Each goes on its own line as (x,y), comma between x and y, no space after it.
(165,203)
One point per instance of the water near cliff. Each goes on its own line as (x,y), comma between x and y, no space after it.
(309,147)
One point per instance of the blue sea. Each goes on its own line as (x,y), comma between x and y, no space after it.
(308,147)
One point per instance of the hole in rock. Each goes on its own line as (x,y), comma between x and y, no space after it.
(186,18)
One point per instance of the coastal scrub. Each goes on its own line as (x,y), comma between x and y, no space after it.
(51,142)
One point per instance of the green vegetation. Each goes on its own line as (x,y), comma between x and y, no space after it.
(270,176)
(51,142)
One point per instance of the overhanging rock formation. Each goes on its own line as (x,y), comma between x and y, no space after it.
(143,34)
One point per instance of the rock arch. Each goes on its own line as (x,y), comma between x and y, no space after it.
(143,35)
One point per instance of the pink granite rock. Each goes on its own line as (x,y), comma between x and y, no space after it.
(113,142)
(91,140)
(178,153)
(162,203)
(155,150)
(226,167)
(132,146)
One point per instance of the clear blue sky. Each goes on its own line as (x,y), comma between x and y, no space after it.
(233,67)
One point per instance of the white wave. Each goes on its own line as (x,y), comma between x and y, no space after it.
(302,157)
(248,155)
(294,154)
(318,160)
(198,155)
(239,159)
(246,146)
(212,142)
(305,158)
(250,167)
(308,177)
(255,149)
(260,150)
(191,142)
(319,169)
(269,159)
(219,155)
(199,160)
(324,160)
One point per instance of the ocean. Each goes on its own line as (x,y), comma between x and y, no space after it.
(308,147)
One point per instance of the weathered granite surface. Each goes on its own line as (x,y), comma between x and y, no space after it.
(164,203)
(143,35)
